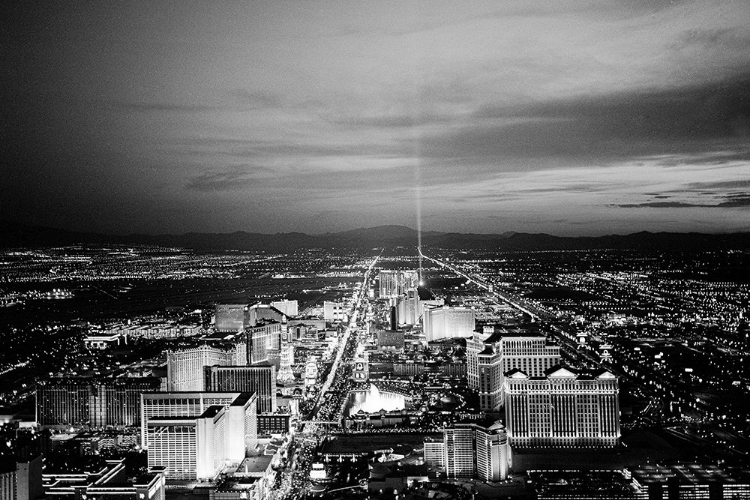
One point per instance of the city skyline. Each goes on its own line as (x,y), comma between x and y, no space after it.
(307,373)
(580,118)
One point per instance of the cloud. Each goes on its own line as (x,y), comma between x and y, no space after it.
(393,121)
(659,204)
(731,201)
(733,184)
(736,201)
(606,127)
(159,107)
(227,181)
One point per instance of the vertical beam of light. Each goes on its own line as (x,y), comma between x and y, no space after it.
(418,194)
(418,202)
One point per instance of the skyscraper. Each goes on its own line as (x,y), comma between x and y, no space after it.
(334,311)
(185,366)
(200,446)
(91,401)
(263,312)
(287,307)
(395,283)
(192,405)
(562,409)
(260,379)
(448,322)
(263,342)
(471,451)
(286,375)
(490,355)
(231,317)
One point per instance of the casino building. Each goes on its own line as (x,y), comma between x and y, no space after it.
(562,409)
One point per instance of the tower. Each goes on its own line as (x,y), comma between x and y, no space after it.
(287,355)
(490,355)
(360,369)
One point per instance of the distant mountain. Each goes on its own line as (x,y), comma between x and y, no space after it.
(13,235)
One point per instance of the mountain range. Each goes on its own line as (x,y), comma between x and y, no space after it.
(14,235)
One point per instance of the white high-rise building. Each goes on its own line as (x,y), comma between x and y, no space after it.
(471,451)
(194,438)
(288,307)
(448,322)
(230,317)
(407,312)
(396,283)
(490,355)
(334,311)
(191,404)
(562,409)
(263,341)
(285,374)
(434,452)
(185,367)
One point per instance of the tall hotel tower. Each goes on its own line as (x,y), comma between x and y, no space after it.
(286,375)
(471,451)
(490,355)
(95,402)
(448,322)
(562,409)
(196,435)
(396,283)
(185,367)
(260,379)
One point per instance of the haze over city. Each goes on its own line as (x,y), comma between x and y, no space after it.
(573,118)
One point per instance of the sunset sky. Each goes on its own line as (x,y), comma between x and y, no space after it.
(571,118)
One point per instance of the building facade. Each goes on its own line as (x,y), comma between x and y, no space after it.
(192,404)
(260,379)
(287,307)
(21,478)
(396,283)
(92,402)
(448,322)
(360,369)
(334,311)
(490,355)
(562,409)
(471,451)
(263,312)
(263,341)
(231,317)
(185,367)
(200,446)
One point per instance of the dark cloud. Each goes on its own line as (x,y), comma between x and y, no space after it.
(227,181)
(730,201)
(609,127)
(736,201)
(660,204)
(739,183)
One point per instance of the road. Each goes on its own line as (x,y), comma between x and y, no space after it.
(512,300)
(342,355)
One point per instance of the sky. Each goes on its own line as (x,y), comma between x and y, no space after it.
(565,117)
